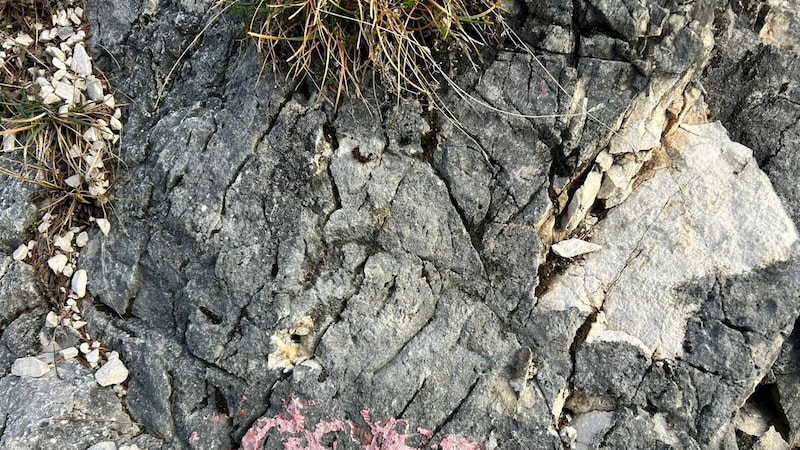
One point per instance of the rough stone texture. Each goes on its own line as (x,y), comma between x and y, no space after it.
(752,86)
(16,212)
(418,245)
(67,409)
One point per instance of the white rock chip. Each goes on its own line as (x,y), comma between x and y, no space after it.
(82,239)
(57,263)
(94,89)
(29,367)
(582,200)
(52,319)
(74,181)
(69,353)
(104,225)
(20,253)
(64,242)
(93,356)
(573,247)
(79,281)
(105,445)
(112,372)
(81,64)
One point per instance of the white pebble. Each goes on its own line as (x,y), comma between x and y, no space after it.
(74,181)
(94,89)
(115,123)
(79,281)
(64,90)
(69,353)
(105,445)
(78,324)
(82,239)
(20,253)
(24,40)
(30,367)
(51,321)
(93,356)
(57,263)
(91,134)
(112,372)
(573,247)
(64,242)
(59,64)
(9,142)
(68,270)
(104,225)
(81,64)
(84,347)
(96,344)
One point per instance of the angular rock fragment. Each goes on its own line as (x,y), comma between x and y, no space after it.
(29,366)
(573,247)
(79,280)
(112,372)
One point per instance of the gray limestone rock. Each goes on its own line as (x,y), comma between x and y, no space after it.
(396,259)
(65,407)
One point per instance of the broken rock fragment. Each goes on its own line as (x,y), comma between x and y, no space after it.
(29,367)
(573,247)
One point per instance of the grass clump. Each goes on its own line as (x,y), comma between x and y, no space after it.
(338,43)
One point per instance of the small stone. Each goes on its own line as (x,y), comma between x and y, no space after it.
(571,248)
(45,35)
(82,239)
(105,445)
(20,253)
(81,64)
(29,367)
(57,263)
(51,321)
(49,99)
(74,181)
(84,348)
(112,355)
(74,18)
(69,353)
(79,281)
(56,53)
(64,242)
(24,40)
(31,245)
(71,302)
(8,142)
(91,134)
(59,64)
(96,344)
(104,225)
(109,101)
(112,372)
(78,324)
(65,91)
(66,322)
(115,123)
(93,356)
(94,89)
(68,270)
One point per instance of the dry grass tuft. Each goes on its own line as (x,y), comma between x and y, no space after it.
(337,43)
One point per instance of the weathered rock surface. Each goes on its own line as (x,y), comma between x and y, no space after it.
(418,249)
(64,408)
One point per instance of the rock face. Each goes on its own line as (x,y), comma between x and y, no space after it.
(392,259)
(67,409)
